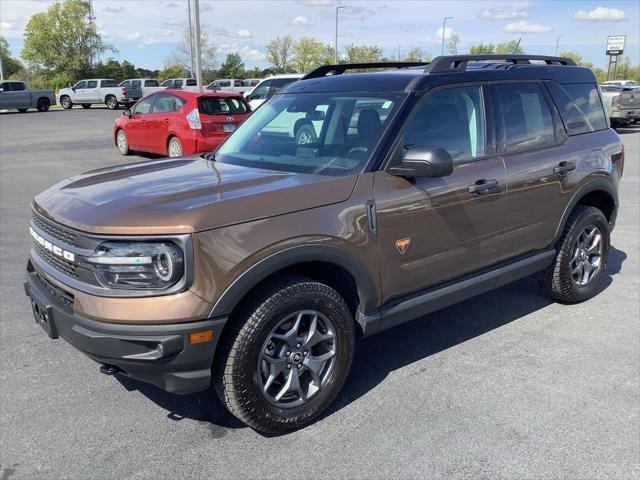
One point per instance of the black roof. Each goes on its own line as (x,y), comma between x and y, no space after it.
(407,77)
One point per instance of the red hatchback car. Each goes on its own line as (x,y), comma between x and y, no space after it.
(179,122)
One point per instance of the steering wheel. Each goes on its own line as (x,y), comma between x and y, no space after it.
(355,150)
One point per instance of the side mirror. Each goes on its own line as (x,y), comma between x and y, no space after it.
(316,116)
(127,112)
(424,162)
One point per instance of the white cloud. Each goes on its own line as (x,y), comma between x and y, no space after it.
(246,52)
(7,25)
(166,33)
(206,7)
(501,14)
(317,3)
(353,12)
(169,4)
(601,14)
(243,33)
(133,36)
(437,37)
(110,9)
(145,42)
(525,27)
(301,21)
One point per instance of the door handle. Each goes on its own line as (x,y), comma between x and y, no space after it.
(166,120)
(482,187)
(564,167)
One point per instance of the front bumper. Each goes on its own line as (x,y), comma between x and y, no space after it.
(159,354)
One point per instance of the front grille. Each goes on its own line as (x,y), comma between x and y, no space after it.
(59,263)
(54,230)
(63,296)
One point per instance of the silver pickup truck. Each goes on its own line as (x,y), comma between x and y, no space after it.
(98,90)
(622,104)
(16,95)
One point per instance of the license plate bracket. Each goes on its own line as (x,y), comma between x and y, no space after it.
(43,315)
(228,127)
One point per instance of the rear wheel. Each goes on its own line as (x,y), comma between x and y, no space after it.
(111,102)
(287,355)
(43,104)
(174,149)
(122,142)
(66,103)
(579,265)
(86,105)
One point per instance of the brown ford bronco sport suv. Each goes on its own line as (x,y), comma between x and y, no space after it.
(253,269)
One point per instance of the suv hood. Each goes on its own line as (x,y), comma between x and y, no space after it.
(190,194)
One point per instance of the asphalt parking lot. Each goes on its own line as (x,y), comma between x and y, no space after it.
(505,385)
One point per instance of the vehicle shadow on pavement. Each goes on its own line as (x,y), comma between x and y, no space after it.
(377,356)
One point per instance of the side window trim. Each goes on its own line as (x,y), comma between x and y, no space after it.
(501,144)
(489,123)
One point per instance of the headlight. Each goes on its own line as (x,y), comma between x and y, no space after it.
(128,265)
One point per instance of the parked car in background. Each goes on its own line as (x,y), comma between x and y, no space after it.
(620,83)
(233,85)
(98,90)
(622,104)
(268,87)
(147,85)
(15,94)
(179,122)
(179,83)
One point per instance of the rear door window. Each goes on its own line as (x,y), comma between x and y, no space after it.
(191,82)
(527,118)
(93,84)
(125,84)
(150,83)
(166,103)
(221,106)
(167,83)
(177,83)
(136,84)
(17,86)
(262,90)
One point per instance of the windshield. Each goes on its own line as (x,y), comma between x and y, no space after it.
(320,133)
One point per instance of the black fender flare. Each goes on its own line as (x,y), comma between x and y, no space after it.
(340,257)
(604,184)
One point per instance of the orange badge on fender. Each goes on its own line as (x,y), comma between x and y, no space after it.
(403,244)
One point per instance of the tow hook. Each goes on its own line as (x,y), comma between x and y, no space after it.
(109,369)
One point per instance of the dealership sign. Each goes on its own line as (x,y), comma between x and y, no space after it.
(615,44)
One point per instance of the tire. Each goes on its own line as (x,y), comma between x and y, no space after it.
(66,102)
(573,277)
(43,104)
(306,134)
(23,110)
(239,370)
(111,102)
(174,148)
(86,105)
(122,143)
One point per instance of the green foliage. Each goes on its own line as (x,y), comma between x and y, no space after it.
(363,53)
(182,54)
(512,47)
(415,54)
(232,67)
(172,71)
(483,49)
(10,65)
(279,52)
(61,43)
(308,53)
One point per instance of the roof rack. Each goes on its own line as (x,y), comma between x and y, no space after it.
(456,63)
(325,70)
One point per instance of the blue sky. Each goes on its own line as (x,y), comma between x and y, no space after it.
(146,31)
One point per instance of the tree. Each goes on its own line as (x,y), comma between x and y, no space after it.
(232,67)
(512,47)
(308,53)
(279,52)
(182,54)
(415,54)
(10,65)
(363,53)
(171,71)
(452,44)
(482,49)
(127,70)
(62,42)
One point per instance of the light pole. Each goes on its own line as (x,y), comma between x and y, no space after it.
(444,30)
(196,12)
(557,44)
(190,38)
(336,44)
(1,70)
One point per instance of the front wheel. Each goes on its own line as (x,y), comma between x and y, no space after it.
(174,148)
(122,142)
(581,260)
(112,102)
(66,103)
(287,355)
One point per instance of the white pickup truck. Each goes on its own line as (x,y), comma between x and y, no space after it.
(148,85)
(98,90)
(233,85)
(15,94)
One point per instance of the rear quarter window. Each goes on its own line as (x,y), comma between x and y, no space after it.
(108,83)
(191,82)
(150,83)
(580,106)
